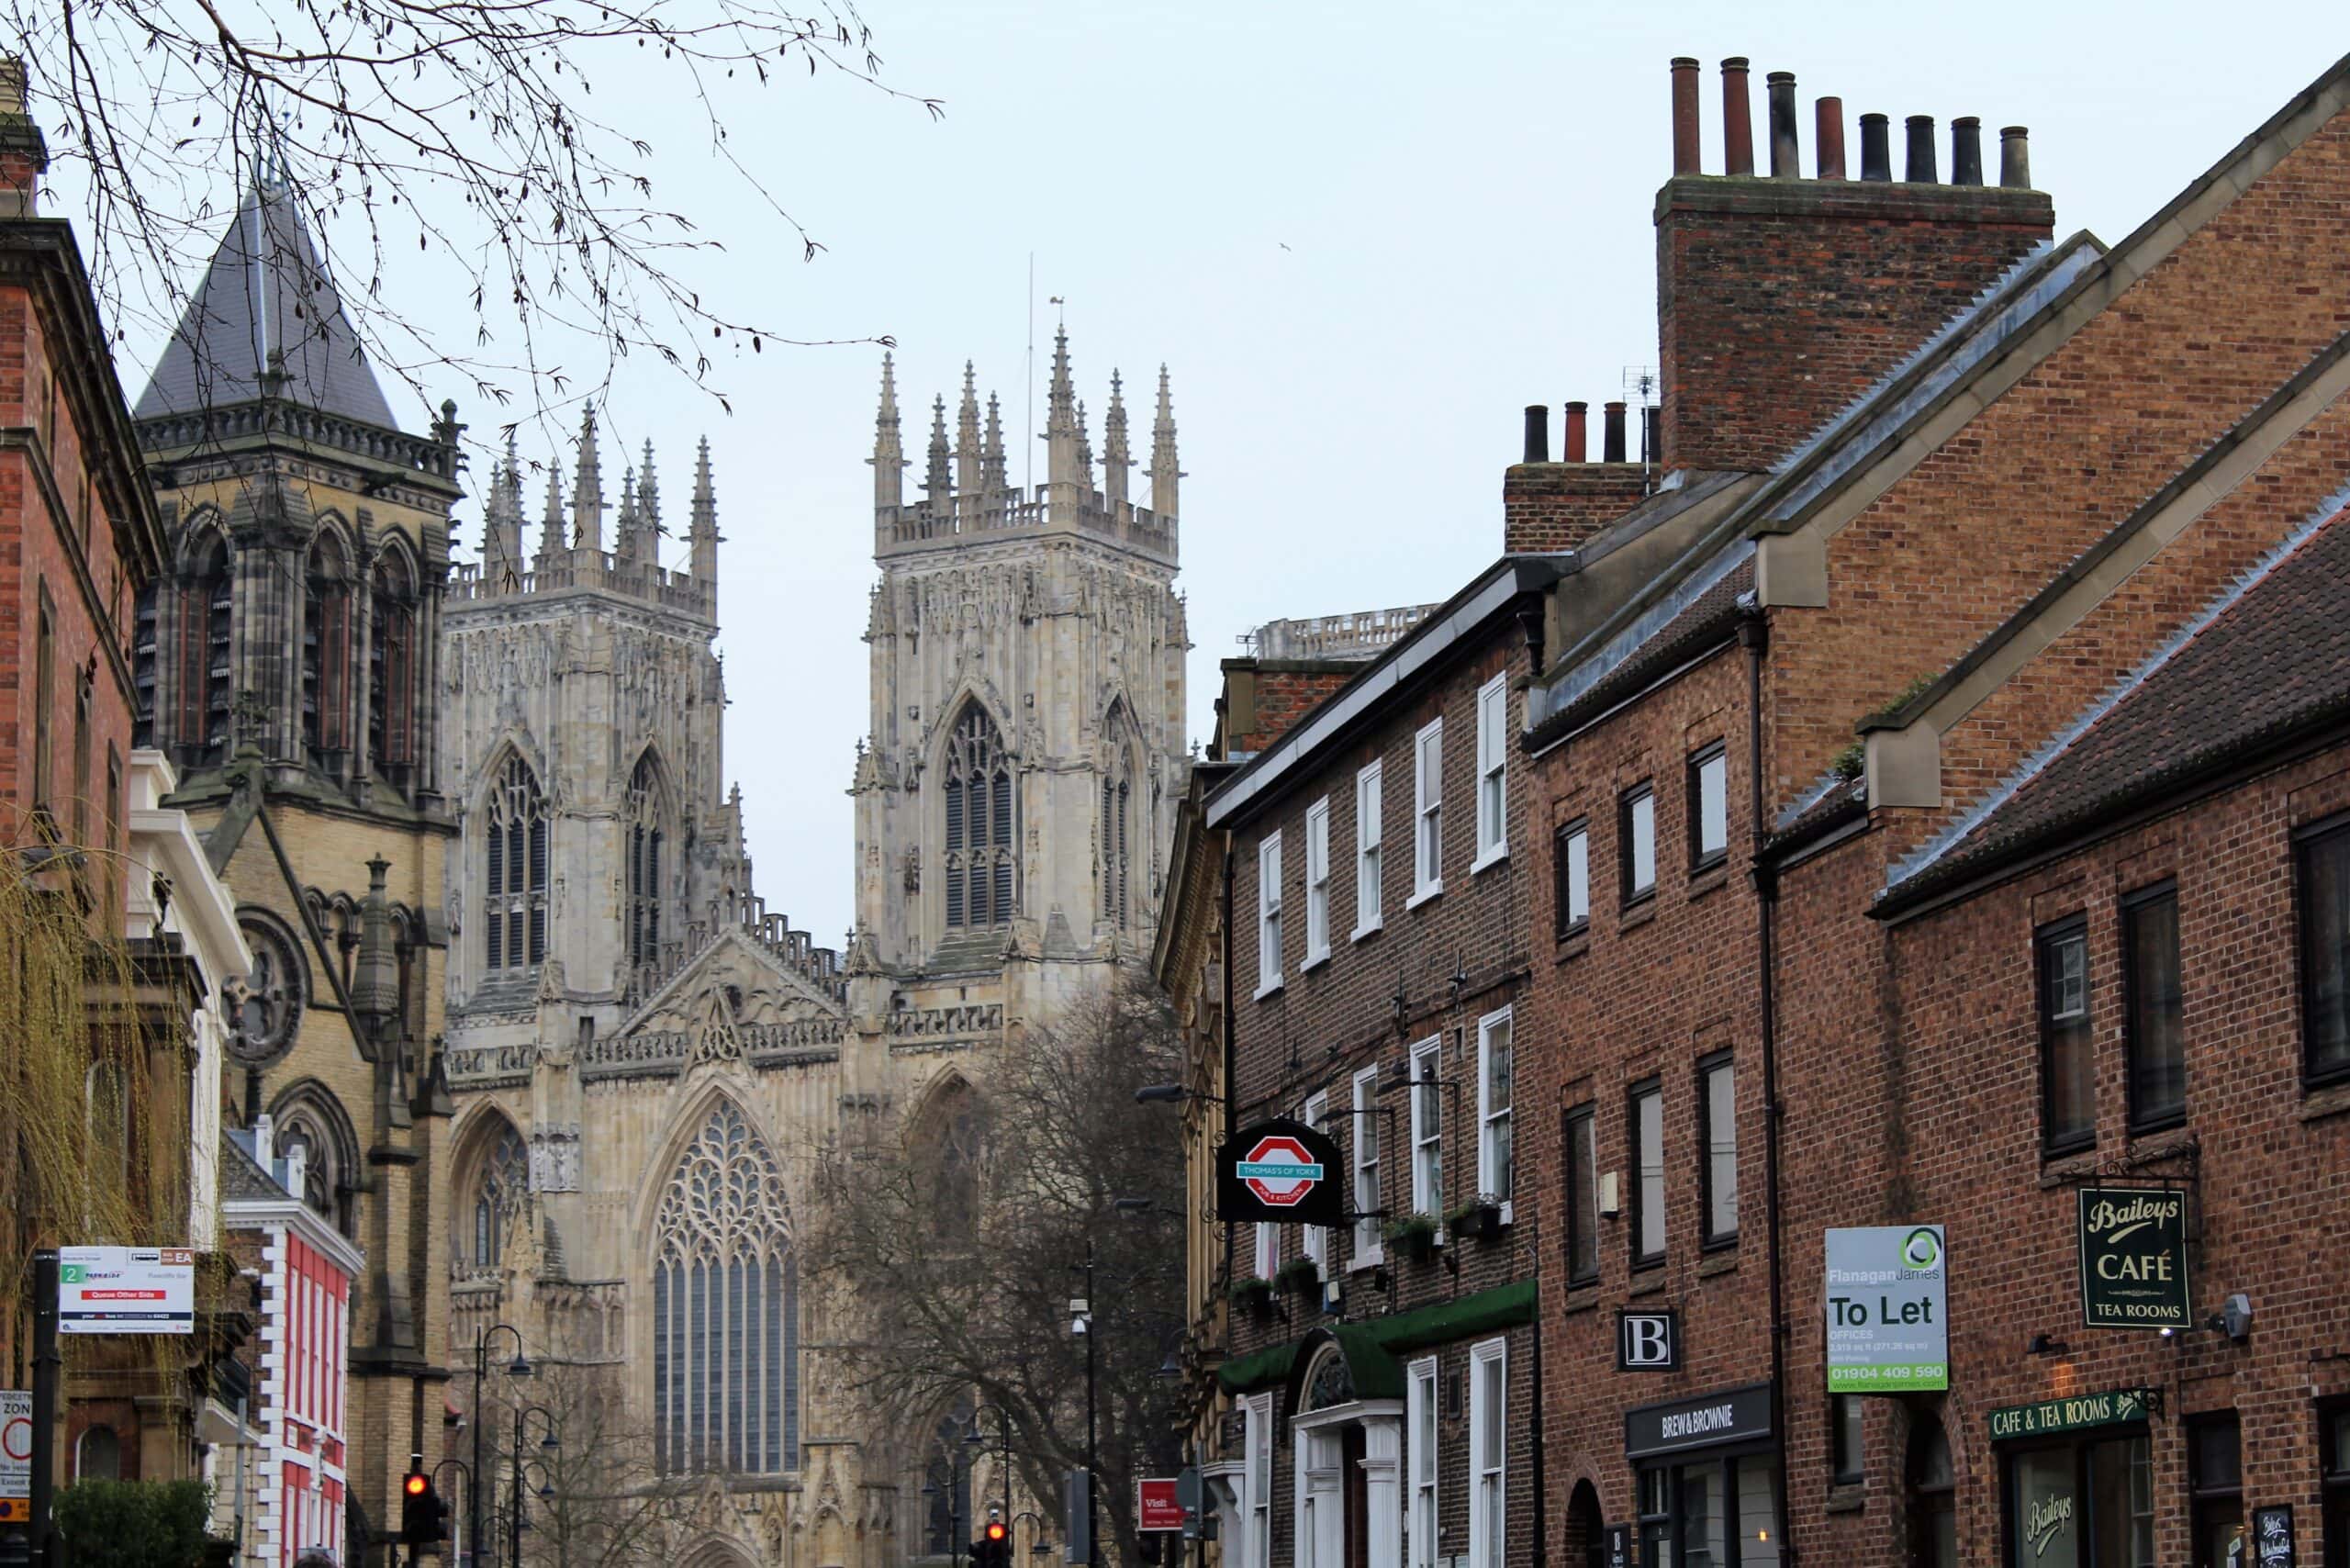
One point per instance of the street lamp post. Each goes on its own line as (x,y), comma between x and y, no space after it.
(514,1495)
(466,1473)
(519,1367)
(1081,1323)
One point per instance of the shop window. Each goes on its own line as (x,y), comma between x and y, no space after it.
(1933,1493)
(1636,843)
(2215,1487)
(2323,861)
(1646,1124)
(2082,1504)
(1708,808)
(1845,1445)
(2068,1086)
(1582,1196)
(1710,1513)
(2334,1467)
(2152,1028)
(1717,1132)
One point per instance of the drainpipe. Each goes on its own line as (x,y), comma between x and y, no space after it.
(1231,1069)
(1755,636)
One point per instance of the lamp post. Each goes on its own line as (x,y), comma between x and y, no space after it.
(1038,1544)
(519,1367)
(1080,1316)
(514,1493)
(466,1473)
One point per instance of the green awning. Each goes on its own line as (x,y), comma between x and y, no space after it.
(1503,1306)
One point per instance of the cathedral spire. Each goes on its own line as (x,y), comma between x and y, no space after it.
(1084,448)
(587,490)
(889,451)
(1060,421)
(648,504)
(966,437)
(502,538)
(991,476)
(938,485)
(1114,458)
(551,539)
(624,542)
(701,531)
(1165,473)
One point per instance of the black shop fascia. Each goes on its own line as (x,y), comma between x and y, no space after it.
(1706,1466)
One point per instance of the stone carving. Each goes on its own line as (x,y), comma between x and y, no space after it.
(555,1159)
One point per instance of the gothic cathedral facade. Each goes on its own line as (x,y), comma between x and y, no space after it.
(644,1060)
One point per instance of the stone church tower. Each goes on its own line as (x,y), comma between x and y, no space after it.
(644,1061)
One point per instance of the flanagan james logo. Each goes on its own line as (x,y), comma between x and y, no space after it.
(1921,1251)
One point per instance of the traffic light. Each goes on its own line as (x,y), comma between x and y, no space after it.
(420,1510)
(993,1547)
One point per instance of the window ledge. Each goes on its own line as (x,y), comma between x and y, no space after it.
(2166,1141)
(1361,932)
(1357,1262)
(1709,876)
(1638,913)
(1581,1298)
(1655,1282)
(1267,989)
(1724,1262)
(2331,1101)
(1313,961)
(1490,857)
(1846,1498)
(1574,940)
(1433,891)
(2060,1169)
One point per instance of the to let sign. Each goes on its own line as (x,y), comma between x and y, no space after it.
(126,1290)
(1281,1172)
(1889,1309)
(2133,1257)
(1159,1505)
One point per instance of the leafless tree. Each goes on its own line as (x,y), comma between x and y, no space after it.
(955,1241)
(509,141)
(592,1498)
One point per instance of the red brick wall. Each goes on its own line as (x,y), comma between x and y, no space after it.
(1779,301)
(1265,698)
(1551,506)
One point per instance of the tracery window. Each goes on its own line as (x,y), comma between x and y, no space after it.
(982,825)
(327,1154)
(391,667)
(326,649)
(204,678)
(947,1487)
(515,904)
(498,1196)
(725,1309)
(646,811)
(1117,786)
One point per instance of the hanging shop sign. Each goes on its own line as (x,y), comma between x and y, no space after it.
(1648,1342)
(2048,1418)
(1888,1308)
(1280,1171)
(1159,1503)
(1710,1420)
(2133,1257)
(126,1290)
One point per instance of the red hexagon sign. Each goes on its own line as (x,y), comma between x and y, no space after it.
(1278,1170)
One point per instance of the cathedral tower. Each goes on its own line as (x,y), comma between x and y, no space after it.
(1015,796)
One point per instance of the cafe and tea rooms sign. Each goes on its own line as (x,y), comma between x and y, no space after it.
(2133,1257)
(2049,1417)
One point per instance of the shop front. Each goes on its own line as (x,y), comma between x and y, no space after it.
(2076,1481)
(1707,1473)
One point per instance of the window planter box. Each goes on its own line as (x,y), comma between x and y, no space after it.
(1301,1277)
(1417,1237)
(1252,1295)
(1482,1219)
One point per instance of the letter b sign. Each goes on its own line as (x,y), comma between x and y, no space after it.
(1648,1342)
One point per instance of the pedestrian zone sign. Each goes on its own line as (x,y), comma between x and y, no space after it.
(15,1456)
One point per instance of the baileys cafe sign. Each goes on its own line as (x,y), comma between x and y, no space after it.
(2133,1257)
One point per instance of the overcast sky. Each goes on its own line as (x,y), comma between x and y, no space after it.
(1362,237)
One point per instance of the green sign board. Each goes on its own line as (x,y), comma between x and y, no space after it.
(2049,1416)
(1889,1309)
(2133,1257)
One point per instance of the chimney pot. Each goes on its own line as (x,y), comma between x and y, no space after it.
(2015,158)
(1966,151)
(1738,122)
(1876,148)
(1611,444)
(1919,168)
(1787,157)
(1577,416)
(1685,157)
(1828,117)
(1538,433)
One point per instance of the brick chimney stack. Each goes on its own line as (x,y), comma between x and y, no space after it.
(1781,298)
(24,155)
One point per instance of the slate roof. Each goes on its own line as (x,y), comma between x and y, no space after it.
(241,1177)
(1694,628)
(265,292)
(2266,663)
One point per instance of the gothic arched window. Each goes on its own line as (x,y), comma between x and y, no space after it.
(391,667)
(315,1128)
(498,1196)
(326,649)
(1118,791)
(647,808)
(202,662)
(514,913)
(947,1487)
(725,1308)
(954,1132)
(982,823)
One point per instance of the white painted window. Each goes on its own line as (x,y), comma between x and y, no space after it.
(1420,1462)
(1488,1454)
(1268,914)
(1317,882)
(1317,1236)
(1366,1147)
(1428,811)
(1259,1481)
(1268,1251)
(1369,906)
(1497,1074)
(1428,1128)
(1492,771)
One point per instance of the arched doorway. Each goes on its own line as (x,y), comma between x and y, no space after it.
(1932,1489)
(1345,1445)
(1586,1540)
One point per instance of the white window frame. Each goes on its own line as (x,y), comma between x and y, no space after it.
(1269,916)
(1369,896)
(1317,1236)
(1422,1464)
(1493,772)
(1267,1254)
(1487,1117)
(1486,1469)
(1257,1480)
(1318,883)
(1365,1139)
(1428,813)
(1427,1142)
